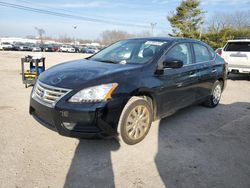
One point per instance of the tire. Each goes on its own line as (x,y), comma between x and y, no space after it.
(135,121)
(214,99)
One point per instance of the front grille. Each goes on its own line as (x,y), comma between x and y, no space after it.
(48,95)
(86,128)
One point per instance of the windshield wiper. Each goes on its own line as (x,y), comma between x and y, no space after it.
(108,61)
(104,60)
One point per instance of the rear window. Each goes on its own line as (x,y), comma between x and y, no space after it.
(201,53)
(238,46)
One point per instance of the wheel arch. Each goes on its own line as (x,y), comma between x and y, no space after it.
(150,97)
(222,80)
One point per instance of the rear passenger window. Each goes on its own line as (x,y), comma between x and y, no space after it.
(212,52)
(201,53)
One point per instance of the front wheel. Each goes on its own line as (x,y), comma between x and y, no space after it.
(214,99)
(135,121)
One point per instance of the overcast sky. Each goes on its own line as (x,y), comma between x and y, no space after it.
(128,13)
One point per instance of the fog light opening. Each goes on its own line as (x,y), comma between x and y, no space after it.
(68,125)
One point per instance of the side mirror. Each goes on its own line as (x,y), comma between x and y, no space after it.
(172,63)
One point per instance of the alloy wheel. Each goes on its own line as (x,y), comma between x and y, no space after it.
(138,122)
(217,94)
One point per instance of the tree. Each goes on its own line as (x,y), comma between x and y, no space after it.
(219,39)
(142,34)
(187,19)
(109,37)
(234,20)
(225,26)
(65,39)
(40,32)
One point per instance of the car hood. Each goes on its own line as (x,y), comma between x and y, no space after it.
(76,74)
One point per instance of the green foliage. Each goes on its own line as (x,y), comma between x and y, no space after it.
(187,19)
(219,39)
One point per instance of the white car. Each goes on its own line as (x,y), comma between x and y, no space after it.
(6,46)
(237,54)
(67,48)
(35,48)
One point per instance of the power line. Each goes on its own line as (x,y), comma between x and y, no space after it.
(65,15)
(62,9)
(45,6)
(68,11)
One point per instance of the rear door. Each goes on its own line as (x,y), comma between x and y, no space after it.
(207,69)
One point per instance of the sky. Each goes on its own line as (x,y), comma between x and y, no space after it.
(133,16)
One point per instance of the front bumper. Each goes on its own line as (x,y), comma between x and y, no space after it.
(79,120)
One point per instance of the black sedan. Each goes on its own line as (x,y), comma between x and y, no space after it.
(123,88)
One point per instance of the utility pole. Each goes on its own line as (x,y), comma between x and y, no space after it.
(74,26)
(40,32)
(152,24)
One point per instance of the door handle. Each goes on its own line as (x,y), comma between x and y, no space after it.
(192,74)
(179,84)
(214,71)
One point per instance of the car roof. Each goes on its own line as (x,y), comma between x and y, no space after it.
(239,40)
(176,39)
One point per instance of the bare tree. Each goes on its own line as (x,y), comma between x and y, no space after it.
(235,20)
(143,34)
(40,32)
(241,19)
(65,39)
(108,37)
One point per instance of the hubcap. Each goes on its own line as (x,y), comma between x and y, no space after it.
(137,122)
(217,94)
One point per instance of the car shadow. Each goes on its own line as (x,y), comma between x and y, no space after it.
(236,77)
(197,147)
(91,165)
(202,147)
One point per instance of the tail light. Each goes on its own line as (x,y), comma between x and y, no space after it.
(219,52)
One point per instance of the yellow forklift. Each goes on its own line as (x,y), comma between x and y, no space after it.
(36,67)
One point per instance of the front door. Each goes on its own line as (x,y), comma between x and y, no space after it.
(178,85)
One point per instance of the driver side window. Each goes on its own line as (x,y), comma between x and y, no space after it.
(180,52)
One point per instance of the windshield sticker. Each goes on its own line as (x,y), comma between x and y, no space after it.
(155,43)
(123,62)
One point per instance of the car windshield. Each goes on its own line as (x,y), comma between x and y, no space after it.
(130,51)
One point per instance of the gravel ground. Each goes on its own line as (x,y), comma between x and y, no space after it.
(196,147)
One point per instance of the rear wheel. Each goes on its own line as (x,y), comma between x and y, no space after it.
(135,121)
(214,99)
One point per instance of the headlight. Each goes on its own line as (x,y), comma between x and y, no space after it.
(94,94)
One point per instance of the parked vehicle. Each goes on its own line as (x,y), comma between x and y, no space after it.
(87,50)
(46,47)
(93,49)
(77,48)
(50,48)
(67,48)
(6,46)
(55,47)
(16,46)
(22,47)
(123,88)
(237,54)
(35,48)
